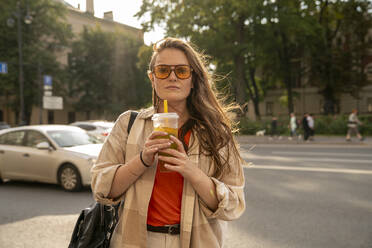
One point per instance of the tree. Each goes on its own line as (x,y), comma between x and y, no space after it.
(288,28)
(342,38)
(221,29)
(104,76)
(265,42)
(91,65)
(42,39)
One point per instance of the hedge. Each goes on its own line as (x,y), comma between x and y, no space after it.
(324,125)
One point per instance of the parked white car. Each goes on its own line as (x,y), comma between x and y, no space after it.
(59,154)
(100,129)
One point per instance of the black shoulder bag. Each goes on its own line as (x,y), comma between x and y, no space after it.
(96,223)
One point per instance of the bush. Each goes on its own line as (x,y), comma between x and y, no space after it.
(249,127)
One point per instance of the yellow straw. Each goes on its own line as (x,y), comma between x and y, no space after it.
(165,106)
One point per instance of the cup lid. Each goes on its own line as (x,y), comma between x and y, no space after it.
(164,115)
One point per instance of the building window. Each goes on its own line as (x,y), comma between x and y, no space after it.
(50,117)
(269,108)
(369,104)
(71,117)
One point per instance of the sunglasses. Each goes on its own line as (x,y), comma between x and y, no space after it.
(181,71)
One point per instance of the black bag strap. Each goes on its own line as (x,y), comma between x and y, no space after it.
(133,115)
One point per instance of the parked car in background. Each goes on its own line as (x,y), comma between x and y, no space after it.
(100,129)
(59,154)
(4,125)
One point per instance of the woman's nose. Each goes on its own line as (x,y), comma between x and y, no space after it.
(172,75)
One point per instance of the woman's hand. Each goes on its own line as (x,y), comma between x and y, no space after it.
(153,145)
(179,161)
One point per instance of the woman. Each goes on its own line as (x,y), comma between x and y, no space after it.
(188,206)
(352,125)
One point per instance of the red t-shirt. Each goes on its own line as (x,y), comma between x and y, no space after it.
(165,203)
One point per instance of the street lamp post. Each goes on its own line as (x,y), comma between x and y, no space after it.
(20,57)
(27,20)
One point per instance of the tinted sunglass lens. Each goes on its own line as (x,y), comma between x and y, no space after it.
(162,71)
(182,72)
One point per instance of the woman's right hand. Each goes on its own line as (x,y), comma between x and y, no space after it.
(152,145)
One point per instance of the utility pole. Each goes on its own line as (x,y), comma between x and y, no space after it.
(20,57)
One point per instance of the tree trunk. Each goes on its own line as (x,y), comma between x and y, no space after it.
(285,62)
(256,95)
(240,89)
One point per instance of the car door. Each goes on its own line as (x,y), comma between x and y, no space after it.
(12,155)
(40,164)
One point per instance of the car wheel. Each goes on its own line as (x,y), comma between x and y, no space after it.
(69,178)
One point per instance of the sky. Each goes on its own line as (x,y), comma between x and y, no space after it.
(124,11)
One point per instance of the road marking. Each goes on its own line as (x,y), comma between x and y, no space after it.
(251,156)
(323,153)
(310,169)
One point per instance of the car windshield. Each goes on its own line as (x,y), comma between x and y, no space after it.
(68,138)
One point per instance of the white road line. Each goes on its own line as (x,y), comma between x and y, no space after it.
(251,156)
(322,154)
(309,169)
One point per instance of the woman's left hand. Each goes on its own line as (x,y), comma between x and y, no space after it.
(179,162)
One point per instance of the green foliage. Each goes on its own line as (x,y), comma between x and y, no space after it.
(42,39)
(341,29)
(285,40)
(104,72)
(218,28)
(248,127)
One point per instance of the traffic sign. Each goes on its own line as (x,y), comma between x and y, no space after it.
(47,80)
(3,68)
(52,102)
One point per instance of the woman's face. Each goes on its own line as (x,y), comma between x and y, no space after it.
(171,88)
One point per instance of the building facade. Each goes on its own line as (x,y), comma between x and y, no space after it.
(77,19)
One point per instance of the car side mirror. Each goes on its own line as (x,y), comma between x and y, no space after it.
(43,146)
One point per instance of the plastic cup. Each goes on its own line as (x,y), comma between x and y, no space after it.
(166,122)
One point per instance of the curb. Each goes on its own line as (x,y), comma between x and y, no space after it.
(321,140)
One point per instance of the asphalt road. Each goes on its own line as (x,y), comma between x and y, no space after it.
(296,196)
(306,196)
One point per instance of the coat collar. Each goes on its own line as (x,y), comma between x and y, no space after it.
(147,113)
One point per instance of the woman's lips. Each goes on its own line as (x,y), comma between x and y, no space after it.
(172,88)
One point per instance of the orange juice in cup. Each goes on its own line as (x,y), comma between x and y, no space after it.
(166,122)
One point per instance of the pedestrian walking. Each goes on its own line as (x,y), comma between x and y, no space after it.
(187,205)
(311,124)
(293,126)
(305,126)
(274,126)
(352,125)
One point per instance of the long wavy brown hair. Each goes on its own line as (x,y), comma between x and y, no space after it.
(208,113)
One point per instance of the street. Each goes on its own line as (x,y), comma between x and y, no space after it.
(296,196)
(306,196)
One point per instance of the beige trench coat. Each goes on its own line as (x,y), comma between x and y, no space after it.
(200,227)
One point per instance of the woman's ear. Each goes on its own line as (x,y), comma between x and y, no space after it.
(151,77)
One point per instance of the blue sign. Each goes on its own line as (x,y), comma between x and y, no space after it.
(47,80)
(3,68)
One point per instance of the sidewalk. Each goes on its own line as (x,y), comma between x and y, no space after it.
(326,140)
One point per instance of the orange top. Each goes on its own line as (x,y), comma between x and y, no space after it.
(165,203)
